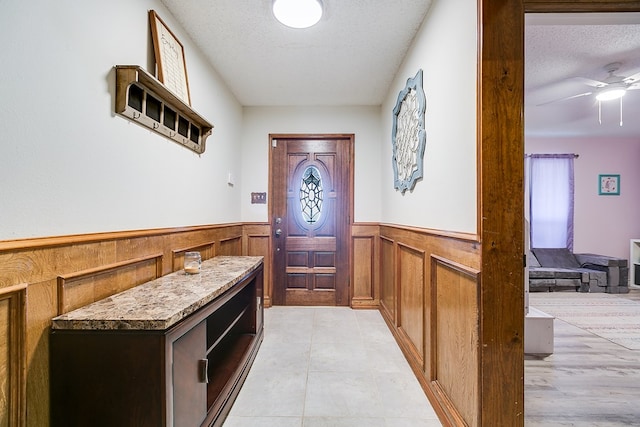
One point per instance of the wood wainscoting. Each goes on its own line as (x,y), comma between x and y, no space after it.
(425,283)
(427,287)
(365,289)
(12,355)
(44,277)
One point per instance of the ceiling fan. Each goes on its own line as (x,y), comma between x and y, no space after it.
(612,87)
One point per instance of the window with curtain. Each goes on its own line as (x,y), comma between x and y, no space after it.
(550,183)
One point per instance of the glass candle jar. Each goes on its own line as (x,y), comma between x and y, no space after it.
(192,262)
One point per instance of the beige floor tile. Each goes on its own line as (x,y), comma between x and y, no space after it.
(235,421)
(270,394)
(343,422)
(324,366)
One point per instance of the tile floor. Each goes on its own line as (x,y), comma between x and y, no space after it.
(329,366)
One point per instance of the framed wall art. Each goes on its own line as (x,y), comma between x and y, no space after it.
(609,185)
(169,52)
(408,134)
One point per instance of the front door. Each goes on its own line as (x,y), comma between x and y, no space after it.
(311,213)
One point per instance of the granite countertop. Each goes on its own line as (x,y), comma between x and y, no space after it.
(163,302)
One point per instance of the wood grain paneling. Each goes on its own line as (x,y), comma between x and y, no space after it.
(84,287)
(42,306)
(411,304)
(12,356)
(454,343)
(501,210)
(231,246)
(6,404)
(387,280)
(365,292)
(207,250)
(258,243)
(432,310)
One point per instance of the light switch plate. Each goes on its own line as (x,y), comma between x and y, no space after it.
(258,198)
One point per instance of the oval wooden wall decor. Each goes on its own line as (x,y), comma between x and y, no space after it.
(408,134)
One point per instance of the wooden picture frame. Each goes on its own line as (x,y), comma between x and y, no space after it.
(609,185)
(169,53)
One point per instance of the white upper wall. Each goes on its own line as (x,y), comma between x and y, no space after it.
(446,50)
(68,164)
(363,122)
(602,224)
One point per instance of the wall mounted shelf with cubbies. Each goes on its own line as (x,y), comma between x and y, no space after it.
(145,100)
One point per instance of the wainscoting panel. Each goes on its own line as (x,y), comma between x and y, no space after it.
(231,245)
(363,273)
(387,280)
(454,344)
(207,250)
(411,303)
(84,287)
(12,356)
(257,242)
(365,290)
(429,284)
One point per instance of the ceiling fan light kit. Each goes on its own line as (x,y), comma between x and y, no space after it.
(611,92)
(611,88)
(297,13)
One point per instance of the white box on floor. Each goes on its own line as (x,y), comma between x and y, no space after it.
(538,332)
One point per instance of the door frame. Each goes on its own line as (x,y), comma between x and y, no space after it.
(350,139)
(500,197)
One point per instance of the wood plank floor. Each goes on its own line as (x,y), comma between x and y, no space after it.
(588,381)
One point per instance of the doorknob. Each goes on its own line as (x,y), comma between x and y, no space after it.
(278,232)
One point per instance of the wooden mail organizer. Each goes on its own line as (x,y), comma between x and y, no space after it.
(171,352)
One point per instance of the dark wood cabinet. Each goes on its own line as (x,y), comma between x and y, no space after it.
(187,375)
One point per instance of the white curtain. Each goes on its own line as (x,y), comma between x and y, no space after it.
(550,180)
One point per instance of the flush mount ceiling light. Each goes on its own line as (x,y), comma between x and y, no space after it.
(297,13)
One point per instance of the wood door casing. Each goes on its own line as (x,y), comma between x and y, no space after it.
(311,256)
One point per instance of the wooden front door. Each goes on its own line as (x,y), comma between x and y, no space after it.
(310,218)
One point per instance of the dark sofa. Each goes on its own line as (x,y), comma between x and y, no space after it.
(558,269)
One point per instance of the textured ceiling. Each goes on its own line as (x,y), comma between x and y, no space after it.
(349,58)
(352,55)
(561,48)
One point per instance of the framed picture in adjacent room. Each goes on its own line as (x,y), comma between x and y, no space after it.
(609,185)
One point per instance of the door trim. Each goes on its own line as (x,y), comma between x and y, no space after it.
(350,138)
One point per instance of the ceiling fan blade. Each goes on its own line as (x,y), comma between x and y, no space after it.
(632,79)
(590,82)
(635,86)
(564,99)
